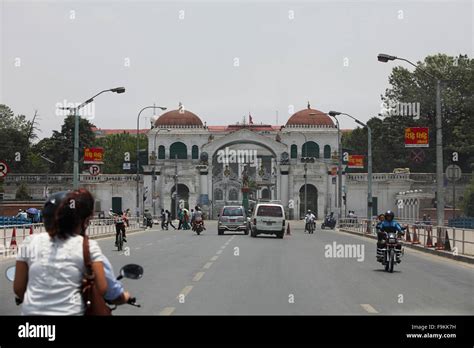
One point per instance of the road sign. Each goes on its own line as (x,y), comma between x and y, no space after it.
(3,169)
(356,161)
(94,170)
(417,155)
(126,166)
(453,172)
(93,155)
(417,137)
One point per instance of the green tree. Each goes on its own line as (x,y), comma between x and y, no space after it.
(468,201)
(116,146)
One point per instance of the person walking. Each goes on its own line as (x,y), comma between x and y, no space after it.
(163,220)
(169,221)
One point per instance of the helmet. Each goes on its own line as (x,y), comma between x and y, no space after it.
(49,209)
(389,215)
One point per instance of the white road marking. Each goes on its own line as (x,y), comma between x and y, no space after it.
(223,247)
(198,276)
(214,258)
(207,265)
(368,308)
(167,311)
(149,243)
(186,290)
(219,252)
(137,248)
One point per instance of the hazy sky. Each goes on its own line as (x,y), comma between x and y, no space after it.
(221,59)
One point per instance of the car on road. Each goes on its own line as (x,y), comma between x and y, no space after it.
(232,218)
(268,218)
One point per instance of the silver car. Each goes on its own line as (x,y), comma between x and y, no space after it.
(232,218)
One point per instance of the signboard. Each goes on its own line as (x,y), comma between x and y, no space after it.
(94,170)
(453,172)
(3,169)
(356,161)
(417,155)
(126,166)
(417,137)
(93,155)
(334,171)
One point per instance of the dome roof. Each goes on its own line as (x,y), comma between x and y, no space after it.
(310,117)
(180,118)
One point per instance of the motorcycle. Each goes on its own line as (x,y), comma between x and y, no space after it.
(198,227)
(130,271)
(148,222)
(309,226)
(392,251)
(328,222)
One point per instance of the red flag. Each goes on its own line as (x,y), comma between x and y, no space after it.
(250,119)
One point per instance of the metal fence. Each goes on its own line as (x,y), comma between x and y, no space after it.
(456,240)
(97,227)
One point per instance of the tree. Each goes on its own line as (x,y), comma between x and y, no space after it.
(468,201)
(116,147)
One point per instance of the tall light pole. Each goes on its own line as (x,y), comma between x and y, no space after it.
(138,155)
(153,178)
(384,58)
(74,111)
(339,167)
(369,164)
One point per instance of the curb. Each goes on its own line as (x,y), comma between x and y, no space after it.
(445,254)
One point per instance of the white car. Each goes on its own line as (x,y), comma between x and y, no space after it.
(268,218)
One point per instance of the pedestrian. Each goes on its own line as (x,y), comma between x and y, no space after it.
(180,219)
(50,265)
(163,220)
(168,219)
(185,220)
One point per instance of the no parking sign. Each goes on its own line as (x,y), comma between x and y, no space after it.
(94,170)
(3,169)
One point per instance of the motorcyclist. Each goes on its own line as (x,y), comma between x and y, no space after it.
(197,217)
(119,222)
(389,224)
(148,217)
(309,218)
(115,292)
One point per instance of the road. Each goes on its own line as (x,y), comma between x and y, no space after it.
(234,274)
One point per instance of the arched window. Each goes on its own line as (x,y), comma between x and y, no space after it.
(310,149)
(327,151)
(195,152)
(161,152)
(265,193)
(233,195)
(178,149)
(294,151)
(218,195)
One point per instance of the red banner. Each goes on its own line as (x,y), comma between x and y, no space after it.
(417,137)
(93,155)
(356,161)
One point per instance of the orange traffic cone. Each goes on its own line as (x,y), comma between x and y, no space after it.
(13,240)
(31,230)
(288,232)
(429,241)
(415,237)
(439,242)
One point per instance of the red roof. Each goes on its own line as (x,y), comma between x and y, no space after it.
(104,132)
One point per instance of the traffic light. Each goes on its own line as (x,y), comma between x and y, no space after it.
(344,198)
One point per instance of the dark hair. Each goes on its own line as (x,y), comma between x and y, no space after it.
(50,207)
(75,208)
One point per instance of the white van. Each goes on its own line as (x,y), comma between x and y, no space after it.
(268,218)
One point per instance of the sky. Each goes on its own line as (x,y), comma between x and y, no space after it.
(221,59)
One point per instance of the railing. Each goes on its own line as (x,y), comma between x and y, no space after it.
(456,240)
(97,227)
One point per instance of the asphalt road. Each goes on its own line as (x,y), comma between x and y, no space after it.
(234,274)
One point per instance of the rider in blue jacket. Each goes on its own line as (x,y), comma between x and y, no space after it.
(388,224)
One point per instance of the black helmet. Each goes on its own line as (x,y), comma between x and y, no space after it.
(390,214)
(49,209)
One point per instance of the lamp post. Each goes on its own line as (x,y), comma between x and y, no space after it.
(74,111)
(305,146)
(369,164)
(153,178)
(384,58)
(339,167)
(138,154)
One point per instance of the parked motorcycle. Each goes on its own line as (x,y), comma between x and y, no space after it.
(391,251)
(328,222)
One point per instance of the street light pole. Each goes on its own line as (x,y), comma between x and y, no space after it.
(74,111)
(369,161)
(137,208)
(384,58)
(339,168)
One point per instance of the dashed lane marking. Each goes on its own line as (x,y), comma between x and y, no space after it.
(214,258)
(186,290)
(167,311)
(207,265)
(219,252)
(198,276)
(368,308)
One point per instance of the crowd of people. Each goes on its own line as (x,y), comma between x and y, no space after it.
(186,219)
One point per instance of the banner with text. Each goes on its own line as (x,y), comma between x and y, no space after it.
(356,161)
(416,137)
(93,155)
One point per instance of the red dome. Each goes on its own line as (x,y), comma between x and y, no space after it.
(310,117)
(178,118)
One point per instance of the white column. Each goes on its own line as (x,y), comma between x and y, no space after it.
(284,171)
